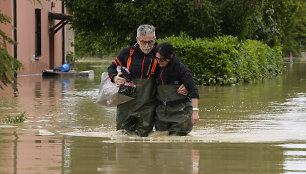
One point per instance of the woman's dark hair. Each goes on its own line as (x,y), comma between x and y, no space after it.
(166,50)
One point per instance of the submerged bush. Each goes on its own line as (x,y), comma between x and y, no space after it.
(16,119)
(226,60)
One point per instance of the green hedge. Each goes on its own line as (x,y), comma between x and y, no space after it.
(226,60)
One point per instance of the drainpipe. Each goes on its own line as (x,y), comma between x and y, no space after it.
(63,37)
(15,28)
(15,75)
(15,39)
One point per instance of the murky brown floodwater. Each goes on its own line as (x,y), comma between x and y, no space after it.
(254,128)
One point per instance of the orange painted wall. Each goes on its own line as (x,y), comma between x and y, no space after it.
(26,34)
(6,7)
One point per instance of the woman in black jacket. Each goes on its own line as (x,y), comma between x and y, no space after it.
(175,112)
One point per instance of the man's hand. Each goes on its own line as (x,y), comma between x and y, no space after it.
(182,90)
(119,80)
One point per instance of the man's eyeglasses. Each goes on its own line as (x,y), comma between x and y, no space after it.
(150,42)
(161,59)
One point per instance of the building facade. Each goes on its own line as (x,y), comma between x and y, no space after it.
(39,30)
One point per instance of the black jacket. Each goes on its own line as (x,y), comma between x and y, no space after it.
(176,73)
(141,64)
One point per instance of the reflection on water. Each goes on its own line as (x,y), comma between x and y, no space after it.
(74,154)
(255,128)
(129,157)
(295,157)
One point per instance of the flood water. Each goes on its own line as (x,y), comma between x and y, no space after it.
(253,128)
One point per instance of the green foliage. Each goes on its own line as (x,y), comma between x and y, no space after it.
(259,60)
(276,18)
(105,25)
(227,60)
(90,44)
(102,26)
(8,64)
(16,119)
(34,1)
(264,20)
(71,59)
(295,33)
(238,17)
(301,25)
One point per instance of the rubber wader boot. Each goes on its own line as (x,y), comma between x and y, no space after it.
(137,115)
(174,111)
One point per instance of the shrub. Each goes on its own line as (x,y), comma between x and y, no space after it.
(226,60)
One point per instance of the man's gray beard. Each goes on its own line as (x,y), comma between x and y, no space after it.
(146,50)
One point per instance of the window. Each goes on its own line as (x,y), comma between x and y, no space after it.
(37,32)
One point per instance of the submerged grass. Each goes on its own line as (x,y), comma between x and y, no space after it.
(15,119)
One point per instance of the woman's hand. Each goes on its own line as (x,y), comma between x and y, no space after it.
(195,111)
(119,80)
(195,117)
(182,90)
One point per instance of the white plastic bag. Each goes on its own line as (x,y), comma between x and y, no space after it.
(108,93)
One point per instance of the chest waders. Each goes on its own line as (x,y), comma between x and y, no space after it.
(138,114)
(173,112)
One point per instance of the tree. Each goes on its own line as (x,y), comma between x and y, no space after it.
(113,23)
(239,17)
(295,35)
(104,25)
(8,64)
(277,17)
(301,25)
